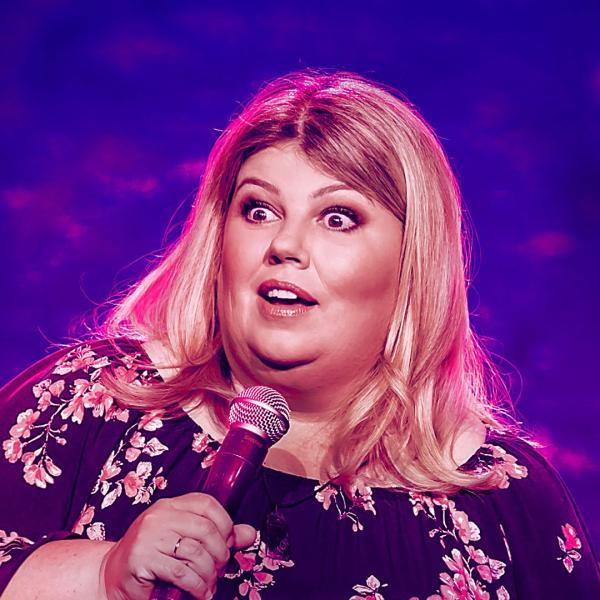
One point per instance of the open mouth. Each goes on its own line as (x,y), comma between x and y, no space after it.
(287,301)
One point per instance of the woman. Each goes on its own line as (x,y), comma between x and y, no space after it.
(323,259)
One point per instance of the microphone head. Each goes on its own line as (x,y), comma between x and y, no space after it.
(261,410)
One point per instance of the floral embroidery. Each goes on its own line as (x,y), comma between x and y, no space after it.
(58,406)
(465,568)
(255,569)
(361,498)
(569,546)
(369,591)
(9,542)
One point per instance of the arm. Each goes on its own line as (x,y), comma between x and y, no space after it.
(51,420)
(71,566)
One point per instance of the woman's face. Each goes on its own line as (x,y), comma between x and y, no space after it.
(289,223)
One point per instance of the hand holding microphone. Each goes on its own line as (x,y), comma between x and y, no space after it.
(184,542)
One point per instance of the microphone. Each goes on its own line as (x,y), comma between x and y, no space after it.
(258,418)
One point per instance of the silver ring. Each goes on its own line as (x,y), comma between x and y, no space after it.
(176,547)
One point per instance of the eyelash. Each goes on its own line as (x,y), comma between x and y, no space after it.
(252,203)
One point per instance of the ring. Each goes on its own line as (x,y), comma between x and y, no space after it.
(176,547)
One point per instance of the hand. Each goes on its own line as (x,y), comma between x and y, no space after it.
(147,552)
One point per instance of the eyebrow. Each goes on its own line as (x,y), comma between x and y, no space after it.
(275,190)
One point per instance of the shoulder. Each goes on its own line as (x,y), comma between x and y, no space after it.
(52,405)
(86,359)
(544,528)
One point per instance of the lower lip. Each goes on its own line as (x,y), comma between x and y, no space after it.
(282,311)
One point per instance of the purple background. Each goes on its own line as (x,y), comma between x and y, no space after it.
(108,111)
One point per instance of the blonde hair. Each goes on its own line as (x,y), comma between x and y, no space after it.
(433,375)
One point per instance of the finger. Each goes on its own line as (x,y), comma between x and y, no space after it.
(181,575)
(199,529)
(199,559)
(243,536)
(204,505)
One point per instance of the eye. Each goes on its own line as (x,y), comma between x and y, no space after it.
(341,218)
(256,211)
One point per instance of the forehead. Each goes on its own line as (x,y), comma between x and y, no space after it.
(282,156)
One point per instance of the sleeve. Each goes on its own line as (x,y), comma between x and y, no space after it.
(547,540)
(54,439)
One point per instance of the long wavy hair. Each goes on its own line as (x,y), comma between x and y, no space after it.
(433,374)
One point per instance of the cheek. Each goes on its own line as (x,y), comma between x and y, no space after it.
(238,260)
(367,280)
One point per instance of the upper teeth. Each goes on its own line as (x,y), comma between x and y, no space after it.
(282,294)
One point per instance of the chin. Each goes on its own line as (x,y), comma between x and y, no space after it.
(281,361)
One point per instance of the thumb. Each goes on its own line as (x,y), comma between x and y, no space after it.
(243,535)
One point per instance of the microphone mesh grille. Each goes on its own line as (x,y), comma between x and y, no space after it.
(264,409)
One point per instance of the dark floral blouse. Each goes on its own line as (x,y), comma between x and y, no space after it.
(76,464)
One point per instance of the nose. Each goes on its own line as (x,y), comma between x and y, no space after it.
(288,246)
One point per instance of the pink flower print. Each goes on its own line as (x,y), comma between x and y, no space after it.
(154,447)
(362,496)
(110,469)
(263,578)
(35,474)
(25,422)
(326,495)
(151,421)
(246,588)
(126,375)
(477,555)
(505,466)
(421,502)
(46,390)
(10,542)
(369,591)
(443,501)
(137,440)
(51,467)
(454,588)
(245,560)
(12,449)
(74,409)
(132,483)
(498,568)
(273,563)
(455,563)
(78,358)
(85,518)
(98,400)
(131,454)
(485,572)
(110,497)
(200,442)
(467,530)
(144,469)
(569,546)
(209,459)
(502,593)
(160,482)
(571,539)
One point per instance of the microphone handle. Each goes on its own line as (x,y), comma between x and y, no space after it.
(231,474)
